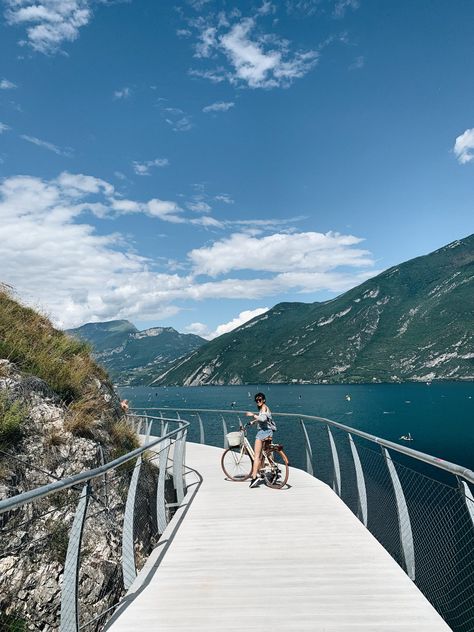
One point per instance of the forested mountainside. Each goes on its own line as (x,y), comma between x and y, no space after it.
(414,321)
(131,356)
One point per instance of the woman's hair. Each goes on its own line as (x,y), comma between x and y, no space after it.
(259,395)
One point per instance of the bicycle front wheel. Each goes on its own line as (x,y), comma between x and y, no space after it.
(277,476)
(237,464)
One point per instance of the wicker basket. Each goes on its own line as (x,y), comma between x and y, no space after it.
(234,439)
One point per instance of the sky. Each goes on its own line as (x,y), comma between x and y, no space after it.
(191,164)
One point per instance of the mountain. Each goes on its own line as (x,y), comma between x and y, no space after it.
(133,356)
(411,322)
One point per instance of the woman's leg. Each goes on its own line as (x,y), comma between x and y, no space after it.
(258,457)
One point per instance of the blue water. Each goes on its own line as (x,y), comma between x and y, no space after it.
(440,417)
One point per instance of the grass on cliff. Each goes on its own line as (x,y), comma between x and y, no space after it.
(12,416)
(29,340)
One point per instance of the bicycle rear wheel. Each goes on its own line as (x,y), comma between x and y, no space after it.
(277,476)
(237,464)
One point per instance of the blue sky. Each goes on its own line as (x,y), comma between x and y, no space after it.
(192,164)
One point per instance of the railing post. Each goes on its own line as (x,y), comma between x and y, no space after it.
(161,515)
(162,424)
(128,549)
(309,451)
(224,428)
(361,489)
(468,499)
(404,524)
(336,484)
(202,438)
(178,465)
(69,594)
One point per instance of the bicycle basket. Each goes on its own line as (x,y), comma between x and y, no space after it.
(234,439)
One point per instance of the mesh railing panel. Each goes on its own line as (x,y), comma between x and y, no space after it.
(35,537)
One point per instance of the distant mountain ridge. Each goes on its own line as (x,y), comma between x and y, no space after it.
(414,321)
(133,356)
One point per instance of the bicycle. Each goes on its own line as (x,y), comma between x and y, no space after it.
(237,460)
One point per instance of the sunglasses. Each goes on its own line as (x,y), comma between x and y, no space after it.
(259,399)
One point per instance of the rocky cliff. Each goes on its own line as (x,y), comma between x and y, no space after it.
(66,421)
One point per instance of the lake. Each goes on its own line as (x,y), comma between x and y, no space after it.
(440,416)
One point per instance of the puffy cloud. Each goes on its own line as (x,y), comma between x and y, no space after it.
(143,168)
(50,23)
(54,257)
(280,252)
(219,106)
(464,146)
(254,59)
(239,320)
(202,330)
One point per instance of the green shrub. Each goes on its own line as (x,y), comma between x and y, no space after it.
(12,416)
(11,623)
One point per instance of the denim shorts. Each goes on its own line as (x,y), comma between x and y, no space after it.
(264,434)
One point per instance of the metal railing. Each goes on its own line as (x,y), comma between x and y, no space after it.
(70,550)
(91,533)
(420,507)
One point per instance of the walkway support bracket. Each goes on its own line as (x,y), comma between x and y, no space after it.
(361,489)
(404,524)
(309,450)
(336,484)
(69,593)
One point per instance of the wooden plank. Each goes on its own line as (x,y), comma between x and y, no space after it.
(262,559)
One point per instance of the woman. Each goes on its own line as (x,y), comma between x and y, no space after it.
(266,426)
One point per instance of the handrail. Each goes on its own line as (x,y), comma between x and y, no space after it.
(46,490)
(452,468)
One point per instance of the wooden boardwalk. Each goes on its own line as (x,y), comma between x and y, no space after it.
(260,559)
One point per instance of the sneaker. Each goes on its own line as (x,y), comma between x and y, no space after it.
(254,482)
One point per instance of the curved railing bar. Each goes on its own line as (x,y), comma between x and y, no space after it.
(46,490)
(453,468)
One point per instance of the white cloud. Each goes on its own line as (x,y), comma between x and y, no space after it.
(177,119)
(464,146)
(123,93)
(257,60)
(7,85)
(199,207)
(224,197)
(200,329)
(219,106)
(241,319)
(52,254)
(4,128)
(46,145)
(341,7)
(203,330)
(50,23)
(358,63)
(143,168)
(280,252)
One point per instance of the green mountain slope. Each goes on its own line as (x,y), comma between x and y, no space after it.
(133,356)
(412,322)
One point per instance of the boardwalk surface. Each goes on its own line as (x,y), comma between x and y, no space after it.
(263,559)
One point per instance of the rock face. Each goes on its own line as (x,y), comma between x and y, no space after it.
(412,322)
(34,538)
(132,356)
